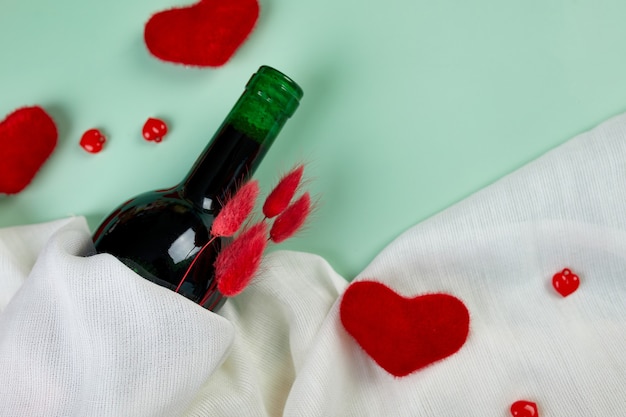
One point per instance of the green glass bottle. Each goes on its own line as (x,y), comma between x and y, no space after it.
(159,233)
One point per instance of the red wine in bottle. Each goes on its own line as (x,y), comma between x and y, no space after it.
(159,233)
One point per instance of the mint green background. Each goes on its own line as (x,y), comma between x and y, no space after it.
(409,106)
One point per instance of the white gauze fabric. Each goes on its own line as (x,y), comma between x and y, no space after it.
(83,336)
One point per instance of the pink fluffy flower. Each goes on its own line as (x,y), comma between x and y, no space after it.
(236,210)
(280,197)
(291,219)
(237,263)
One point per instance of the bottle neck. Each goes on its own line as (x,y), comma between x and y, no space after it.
(242,140)
(231,157)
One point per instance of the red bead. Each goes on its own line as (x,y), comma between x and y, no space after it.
(154,130)
(524,408)
(565,282)
(92,140)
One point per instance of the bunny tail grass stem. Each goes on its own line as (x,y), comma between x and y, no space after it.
(194,262)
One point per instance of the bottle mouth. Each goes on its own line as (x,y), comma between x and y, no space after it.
(276,88)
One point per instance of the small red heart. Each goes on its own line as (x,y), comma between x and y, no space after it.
(93,140)
(403,334)
(565,282)
(524,408)
(27,138)
(205,34)
(154,130)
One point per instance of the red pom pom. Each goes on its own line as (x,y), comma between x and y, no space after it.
(237,263)
(290,220)
(27,138)
(403,334)
(281,195)
(205,34)
(236,210)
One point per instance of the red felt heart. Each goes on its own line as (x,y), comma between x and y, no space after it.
(205,34)
(403,334)
(27,138)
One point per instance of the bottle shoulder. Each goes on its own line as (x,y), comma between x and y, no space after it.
(155,212)
(170,200)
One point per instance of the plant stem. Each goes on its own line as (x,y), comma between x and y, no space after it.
(194,262)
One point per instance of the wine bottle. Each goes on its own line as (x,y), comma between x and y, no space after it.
(159,233)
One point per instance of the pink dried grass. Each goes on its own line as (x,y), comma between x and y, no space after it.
(230,218)
(238,262)
(236,210)
(291,219)
(280,197)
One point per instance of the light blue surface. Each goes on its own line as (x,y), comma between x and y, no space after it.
(409,106)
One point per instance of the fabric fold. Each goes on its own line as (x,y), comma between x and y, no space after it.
(85,336)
